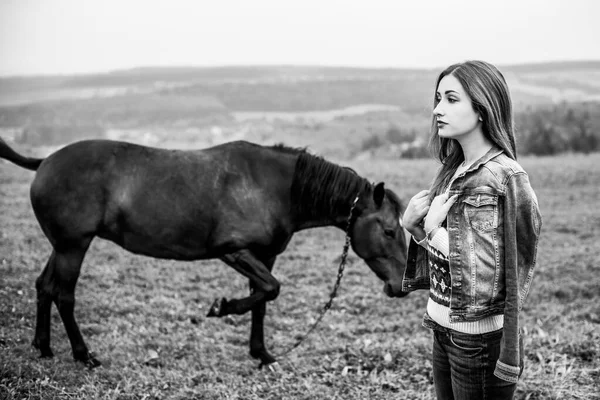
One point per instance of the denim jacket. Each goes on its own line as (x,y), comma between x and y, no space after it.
(493,230)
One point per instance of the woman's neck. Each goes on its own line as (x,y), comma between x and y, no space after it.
(475,147)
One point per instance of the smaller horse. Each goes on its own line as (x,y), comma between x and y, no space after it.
(239,202)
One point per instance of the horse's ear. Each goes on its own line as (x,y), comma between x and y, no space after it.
(379,194)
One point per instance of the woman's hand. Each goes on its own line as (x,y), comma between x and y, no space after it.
(438,211)
(416,210)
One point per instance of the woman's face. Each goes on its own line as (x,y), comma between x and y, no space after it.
(454,112)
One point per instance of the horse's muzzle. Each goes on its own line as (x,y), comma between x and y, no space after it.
(394,289)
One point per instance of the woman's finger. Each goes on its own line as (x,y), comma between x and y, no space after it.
(440,199)
(448,204)
(421,194)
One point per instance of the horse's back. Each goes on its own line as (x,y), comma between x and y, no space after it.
(159,202)
(99,156)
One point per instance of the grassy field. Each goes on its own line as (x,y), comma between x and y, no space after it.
(135,312)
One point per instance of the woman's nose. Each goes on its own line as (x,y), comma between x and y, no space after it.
(438,111)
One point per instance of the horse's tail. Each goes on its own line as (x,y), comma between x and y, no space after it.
(9,154)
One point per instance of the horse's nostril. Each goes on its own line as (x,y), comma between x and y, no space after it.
(387,289)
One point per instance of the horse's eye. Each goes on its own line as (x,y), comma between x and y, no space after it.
(390,233)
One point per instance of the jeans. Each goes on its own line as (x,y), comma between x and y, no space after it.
(463,366)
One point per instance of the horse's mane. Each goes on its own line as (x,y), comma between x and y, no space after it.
(321,188)
(287,149)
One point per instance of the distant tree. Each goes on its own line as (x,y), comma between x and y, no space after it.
(372,142)
(582,138)
(395,135)
(417,151)
(570,116)
(544,138)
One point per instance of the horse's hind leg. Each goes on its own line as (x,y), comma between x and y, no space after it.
(68,267)
(44,285)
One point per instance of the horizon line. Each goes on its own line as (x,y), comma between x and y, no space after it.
(283,65)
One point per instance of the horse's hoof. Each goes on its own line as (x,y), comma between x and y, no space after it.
(273,367)
(44,352)
(89,361)
(216,310)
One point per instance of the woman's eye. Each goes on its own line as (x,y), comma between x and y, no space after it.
(390,233)
(451,100)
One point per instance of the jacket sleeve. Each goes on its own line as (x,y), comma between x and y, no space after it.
(522,225)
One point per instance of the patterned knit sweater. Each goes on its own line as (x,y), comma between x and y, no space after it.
(438,306)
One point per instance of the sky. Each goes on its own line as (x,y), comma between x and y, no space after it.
(44,37)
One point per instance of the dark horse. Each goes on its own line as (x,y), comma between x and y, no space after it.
(239,202)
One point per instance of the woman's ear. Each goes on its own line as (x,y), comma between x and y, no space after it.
(379,194)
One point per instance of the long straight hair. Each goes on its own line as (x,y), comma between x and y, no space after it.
(490,98)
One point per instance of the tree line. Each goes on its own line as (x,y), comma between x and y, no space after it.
(560,128)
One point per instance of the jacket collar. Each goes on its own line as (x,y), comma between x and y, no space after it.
(492,153)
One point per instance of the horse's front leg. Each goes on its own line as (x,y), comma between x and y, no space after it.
(257,336)
(266,287)
(263,287)
(257,333)
(258,349)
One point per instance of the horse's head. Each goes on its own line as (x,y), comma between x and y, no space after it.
(378,238)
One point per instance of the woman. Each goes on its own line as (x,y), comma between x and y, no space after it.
(474,237)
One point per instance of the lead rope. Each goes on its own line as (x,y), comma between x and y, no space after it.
(336,286)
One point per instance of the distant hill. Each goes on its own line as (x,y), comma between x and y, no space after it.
(530,83)
(187,105)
